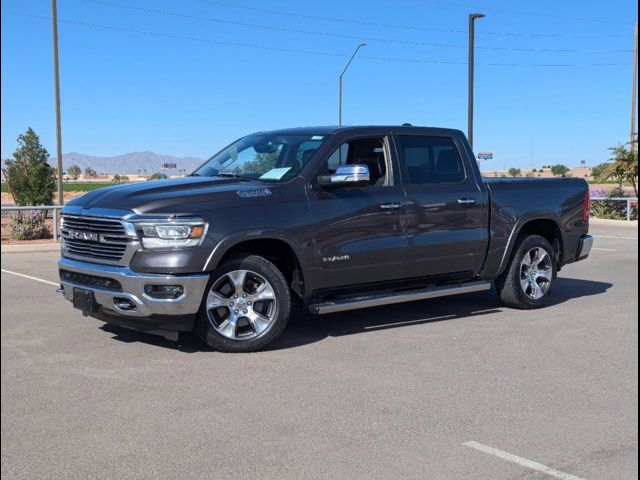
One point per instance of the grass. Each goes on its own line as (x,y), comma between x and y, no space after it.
(76,186)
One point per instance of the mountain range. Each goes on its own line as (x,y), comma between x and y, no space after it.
(129,163)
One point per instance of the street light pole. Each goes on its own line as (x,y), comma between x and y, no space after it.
(634,140)
(340,81)
(472,33)
(56,88)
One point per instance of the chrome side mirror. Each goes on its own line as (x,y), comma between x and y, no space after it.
(346,175)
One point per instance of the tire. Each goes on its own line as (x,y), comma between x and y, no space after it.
(246,305)
(517,285)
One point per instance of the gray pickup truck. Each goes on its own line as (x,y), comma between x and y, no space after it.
(328,218)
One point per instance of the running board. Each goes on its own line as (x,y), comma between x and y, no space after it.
(400,297)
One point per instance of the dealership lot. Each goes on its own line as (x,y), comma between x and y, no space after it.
(453,388)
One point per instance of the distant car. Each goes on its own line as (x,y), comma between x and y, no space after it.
(333,218)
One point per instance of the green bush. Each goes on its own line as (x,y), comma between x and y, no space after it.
(611,209)
(28,225)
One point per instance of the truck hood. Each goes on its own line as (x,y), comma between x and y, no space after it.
(174,196)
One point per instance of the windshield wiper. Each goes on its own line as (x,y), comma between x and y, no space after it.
(233,175)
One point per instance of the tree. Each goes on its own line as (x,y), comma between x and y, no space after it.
(515,172)
(30,179)
(158,176)
(560,170)
(90,172)
(117,178)
(74,171)
(599,172)
(623,166)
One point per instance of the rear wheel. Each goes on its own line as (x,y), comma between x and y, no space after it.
(531,275)
(246,305)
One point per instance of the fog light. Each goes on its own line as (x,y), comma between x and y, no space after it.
(164,292)
(124,304)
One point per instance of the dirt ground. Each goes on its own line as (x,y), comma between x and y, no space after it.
(7,199)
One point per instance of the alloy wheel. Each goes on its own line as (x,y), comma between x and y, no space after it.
(241,305)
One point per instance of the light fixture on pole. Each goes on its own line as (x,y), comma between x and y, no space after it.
(340,81)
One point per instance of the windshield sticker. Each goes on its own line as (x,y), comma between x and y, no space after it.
(275,173)
(317,137)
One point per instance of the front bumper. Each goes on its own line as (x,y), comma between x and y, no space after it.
(132,290)
(586,242)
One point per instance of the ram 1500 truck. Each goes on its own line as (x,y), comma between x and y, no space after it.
(329,218)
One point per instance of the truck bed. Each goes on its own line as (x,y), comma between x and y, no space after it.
(517,201)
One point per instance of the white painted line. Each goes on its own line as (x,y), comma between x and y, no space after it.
(605,249)
(41,280)
(530,464)
(613,236)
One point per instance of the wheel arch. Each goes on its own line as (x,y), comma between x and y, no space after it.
(272,245)
(547,226)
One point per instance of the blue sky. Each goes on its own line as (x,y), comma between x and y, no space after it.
(124,91)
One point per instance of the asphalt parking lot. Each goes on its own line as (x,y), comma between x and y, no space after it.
(453,388)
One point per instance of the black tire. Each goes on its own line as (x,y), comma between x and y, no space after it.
(509,286)
(205,319)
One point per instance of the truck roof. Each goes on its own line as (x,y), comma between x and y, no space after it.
(332,129)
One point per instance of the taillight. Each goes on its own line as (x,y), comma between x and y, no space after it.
(586,208)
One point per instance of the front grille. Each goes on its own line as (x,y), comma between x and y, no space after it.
(95,281)
(94,237)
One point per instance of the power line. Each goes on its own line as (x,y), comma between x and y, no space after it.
(403,27)
(339,35)
(528,14)
(300,51)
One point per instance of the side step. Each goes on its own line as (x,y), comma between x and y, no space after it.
(388,299)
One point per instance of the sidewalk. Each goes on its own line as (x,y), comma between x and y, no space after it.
(614,223)
(31,248)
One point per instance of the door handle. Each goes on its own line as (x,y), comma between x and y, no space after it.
(466,201)
(391,206)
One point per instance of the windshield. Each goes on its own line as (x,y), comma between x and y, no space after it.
(263,156)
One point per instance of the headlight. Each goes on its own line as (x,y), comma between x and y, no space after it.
(177,233)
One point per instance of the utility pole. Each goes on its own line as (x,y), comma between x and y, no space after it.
(340,82)
(56,88)
(634,141)
(472,34)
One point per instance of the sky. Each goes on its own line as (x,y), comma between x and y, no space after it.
(186,77)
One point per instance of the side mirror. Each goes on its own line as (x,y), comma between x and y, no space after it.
(346,175)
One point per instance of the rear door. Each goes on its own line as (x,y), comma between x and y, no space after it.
(359,234)
(446,209)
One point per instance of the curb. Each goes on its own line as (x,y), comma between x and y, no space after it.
(614,223)
(34,248)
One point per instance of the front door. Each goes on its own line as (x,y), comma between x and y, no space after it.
(359,230)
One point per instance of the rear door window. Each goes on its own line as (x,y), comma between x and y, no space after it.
(430,159)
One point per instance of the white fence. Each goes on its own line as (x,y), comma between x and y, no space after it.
(54,208)
(630,202)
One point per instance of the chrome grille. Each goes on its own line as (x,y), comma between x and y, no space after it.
(94,237)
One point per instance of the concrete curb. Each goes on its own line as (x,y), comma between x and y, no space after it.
(31,248)
(614,223)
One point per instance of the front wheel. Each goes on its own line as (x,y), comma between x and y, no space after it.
(530,276)
(246,305)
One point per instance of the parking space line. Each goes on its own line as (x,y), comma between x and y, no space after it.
(605,249)
(613,236)
(530,464)
(41,280)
